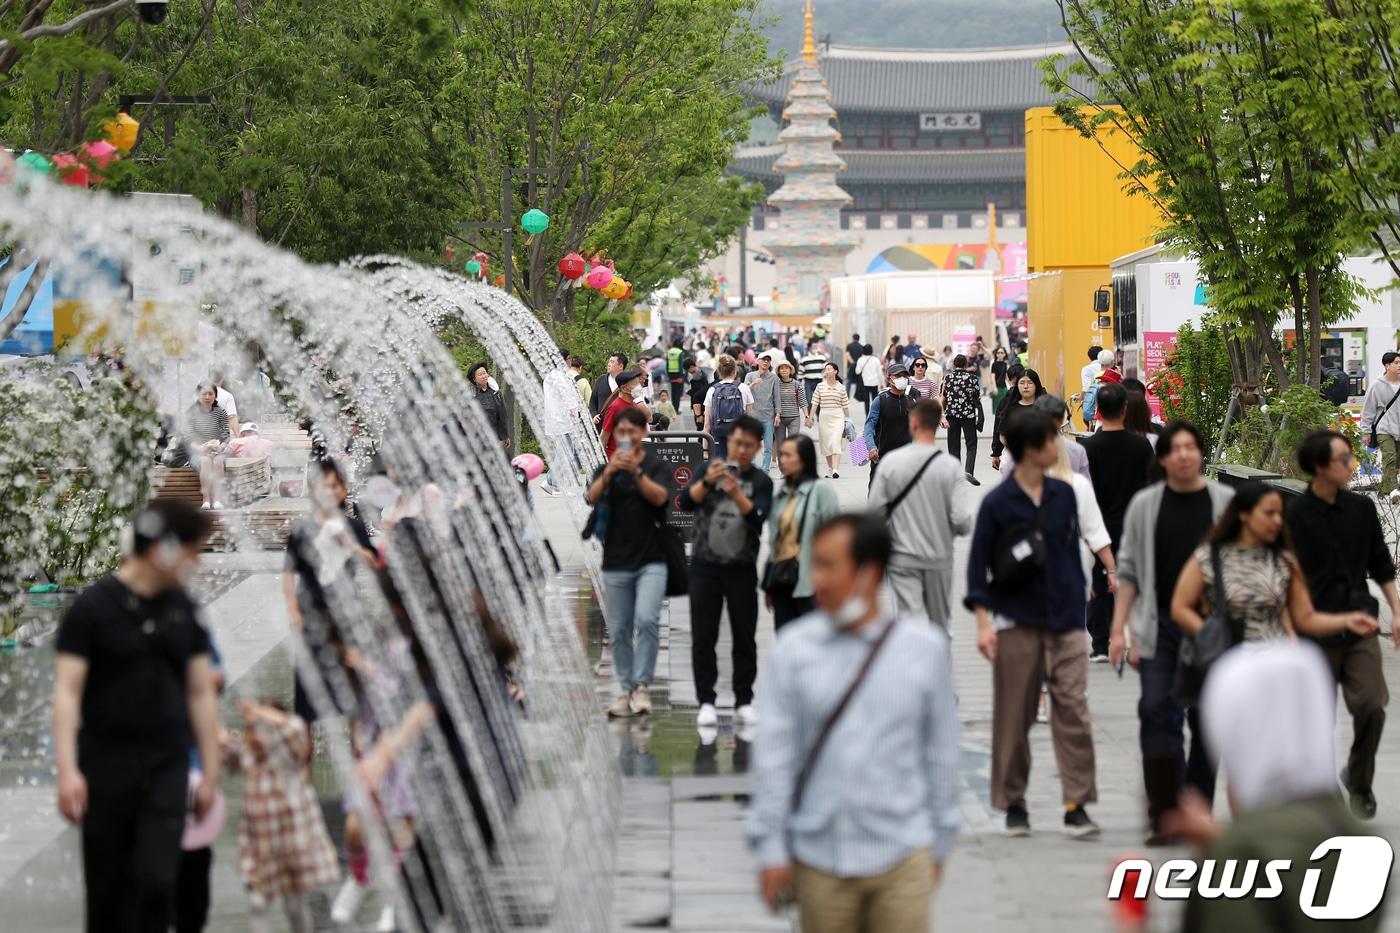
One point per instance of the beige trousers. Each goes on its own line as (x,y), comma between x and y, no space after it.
(897,901)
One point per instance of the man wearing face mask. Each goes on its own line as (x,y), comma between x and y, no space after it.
(887,425)
(133,669)
(855,806)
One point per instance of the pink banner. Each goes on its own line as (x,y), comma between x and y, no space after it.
(1156,347)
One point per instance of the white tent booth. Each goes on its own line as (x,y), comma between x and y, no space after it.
(939,307)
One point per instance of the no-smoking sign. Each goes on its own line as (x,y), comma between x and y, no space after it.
(682,475)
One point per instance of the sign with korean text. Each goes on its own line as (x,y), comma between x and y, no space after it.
(1157,345)
(942,122)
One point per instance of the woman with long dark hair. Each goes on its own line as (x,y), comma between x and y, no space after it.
(831,406)
(1025,389)
(999,368)
(1265,593)
(800,505)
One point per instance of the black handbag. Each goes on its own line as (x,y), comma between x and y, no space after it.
(781,575)
(1020,552)
(1198,653)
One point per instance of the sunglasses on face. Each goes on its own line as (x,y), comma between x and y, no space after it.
(921,366)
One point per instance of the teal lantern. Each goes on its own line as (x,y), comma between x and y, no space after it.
(35,162)
(473,267)
(535,221)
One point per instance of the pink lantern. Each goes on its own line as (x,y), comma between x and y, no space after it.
(529,464)
(99,152)
(71,170)
(600,277)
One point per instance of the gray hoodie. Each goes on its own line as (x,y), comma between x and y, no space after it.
(765,395)
(935,512)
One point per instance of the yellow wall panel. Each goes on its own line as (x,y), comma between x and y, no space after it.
(1063,326)
(1077,214)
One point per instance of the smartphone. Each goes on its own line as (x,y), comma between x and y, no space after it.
(732,467)
(1122,662)
(625,445)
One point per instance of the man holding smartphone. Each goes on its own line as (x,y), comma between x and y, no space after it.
(732,501)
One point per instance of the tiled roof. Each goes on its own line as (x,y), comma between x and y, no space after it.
(913,81)
(913,165)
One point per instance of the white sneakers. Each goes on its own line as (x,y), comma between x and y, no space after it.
(347,902)
(621,707)
(748,716)
(641,700)
(218,506)
(386,922)
(707,715)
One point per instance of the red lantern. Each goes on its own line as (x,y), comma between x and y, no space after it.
(572,267)
(71,170)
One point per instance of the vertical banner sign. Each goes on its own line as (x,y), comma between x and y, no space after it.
(1157,345)
(685,455)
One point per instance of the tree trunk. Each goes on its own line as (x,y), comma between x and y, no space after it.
(249,197)
(1265,335)
(1314,327)
(1300,334)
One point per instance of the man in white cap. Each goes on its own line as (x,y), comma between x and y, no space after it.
(249,443)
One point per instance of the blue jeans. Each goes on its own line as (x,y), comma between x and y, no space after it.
(768,427)
(634,612)
(1166,767)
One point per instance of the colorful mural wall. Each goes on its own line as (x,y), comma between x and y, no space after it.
(1008,259)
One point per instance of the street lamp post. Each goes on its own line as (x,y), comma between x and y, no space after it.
(507,224)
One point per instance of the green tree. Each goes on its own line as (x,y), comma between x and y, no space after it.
(1245,178)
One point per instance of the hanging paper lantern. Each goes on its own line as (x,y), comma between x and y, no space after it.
(535,221)
(99,153)
(499,281)
(71,170)
(473,267)
(600,277)
(572,267)
(615,289)
(449,255)
(35,162)
(628,293)
(122,131)
(7,167)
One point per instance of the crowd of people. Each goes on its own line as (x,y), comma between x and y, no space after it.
(1114,549)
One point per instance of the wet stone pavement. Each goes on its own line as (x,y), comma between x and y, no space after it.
(682,864)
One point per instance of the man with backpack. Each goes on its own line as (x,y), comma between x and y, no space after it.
(855,806)
(887,424)
(726,402)
(675,369)
(1380,420)
(1026,584)
(922,496)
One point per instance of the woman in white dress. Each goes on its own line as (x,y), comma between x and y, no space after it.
(831,406)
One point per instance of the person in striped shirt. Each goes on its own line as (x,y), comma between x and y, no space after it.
(206,437)
(922,385)
(811,366)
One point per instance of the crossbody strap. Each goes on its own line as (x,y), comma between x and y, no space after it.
(894,503)
(808,765)
(1377,424)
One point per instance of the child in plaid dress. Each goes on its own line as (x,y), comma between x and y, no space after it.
(283,848)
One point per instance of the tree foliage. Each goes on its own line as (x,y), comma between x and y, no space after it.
(344,127)
(1223,101)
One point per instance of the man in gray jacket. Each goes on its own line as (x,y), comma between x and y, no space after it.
(763,383)
(922,496)
(1380,415)
(1164,524)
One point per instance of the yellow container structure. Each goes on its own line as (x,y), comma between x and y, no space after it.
(1078,219)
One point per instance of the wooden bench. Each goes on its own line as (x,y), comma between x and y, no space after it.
(245,482)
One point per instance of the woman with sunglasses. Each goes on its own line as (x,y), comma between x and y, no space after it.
(920,384)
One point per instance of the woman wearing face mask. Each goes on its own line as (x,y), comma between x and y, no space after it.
(629,394)
(800,506)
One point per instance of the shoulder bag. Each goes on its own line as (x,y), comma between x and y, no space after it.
(1198,653)
(799,786)
(677,570)
(1020,551)
(1373,441)
(781,575)
(894,503)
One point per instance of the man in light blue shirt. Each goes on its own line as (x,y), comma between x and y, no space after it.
(864,847)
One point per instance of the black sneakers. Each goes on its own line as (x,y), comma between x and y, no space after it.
(973,480)
(1078,825)
(1363,803)
(1018,822)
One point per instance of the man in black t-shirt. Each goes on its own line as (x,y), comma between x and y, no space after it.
(132,687)
(732,500)
(1118,463)
(854,351)
(634,487)
(699,387)
(1164,523)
